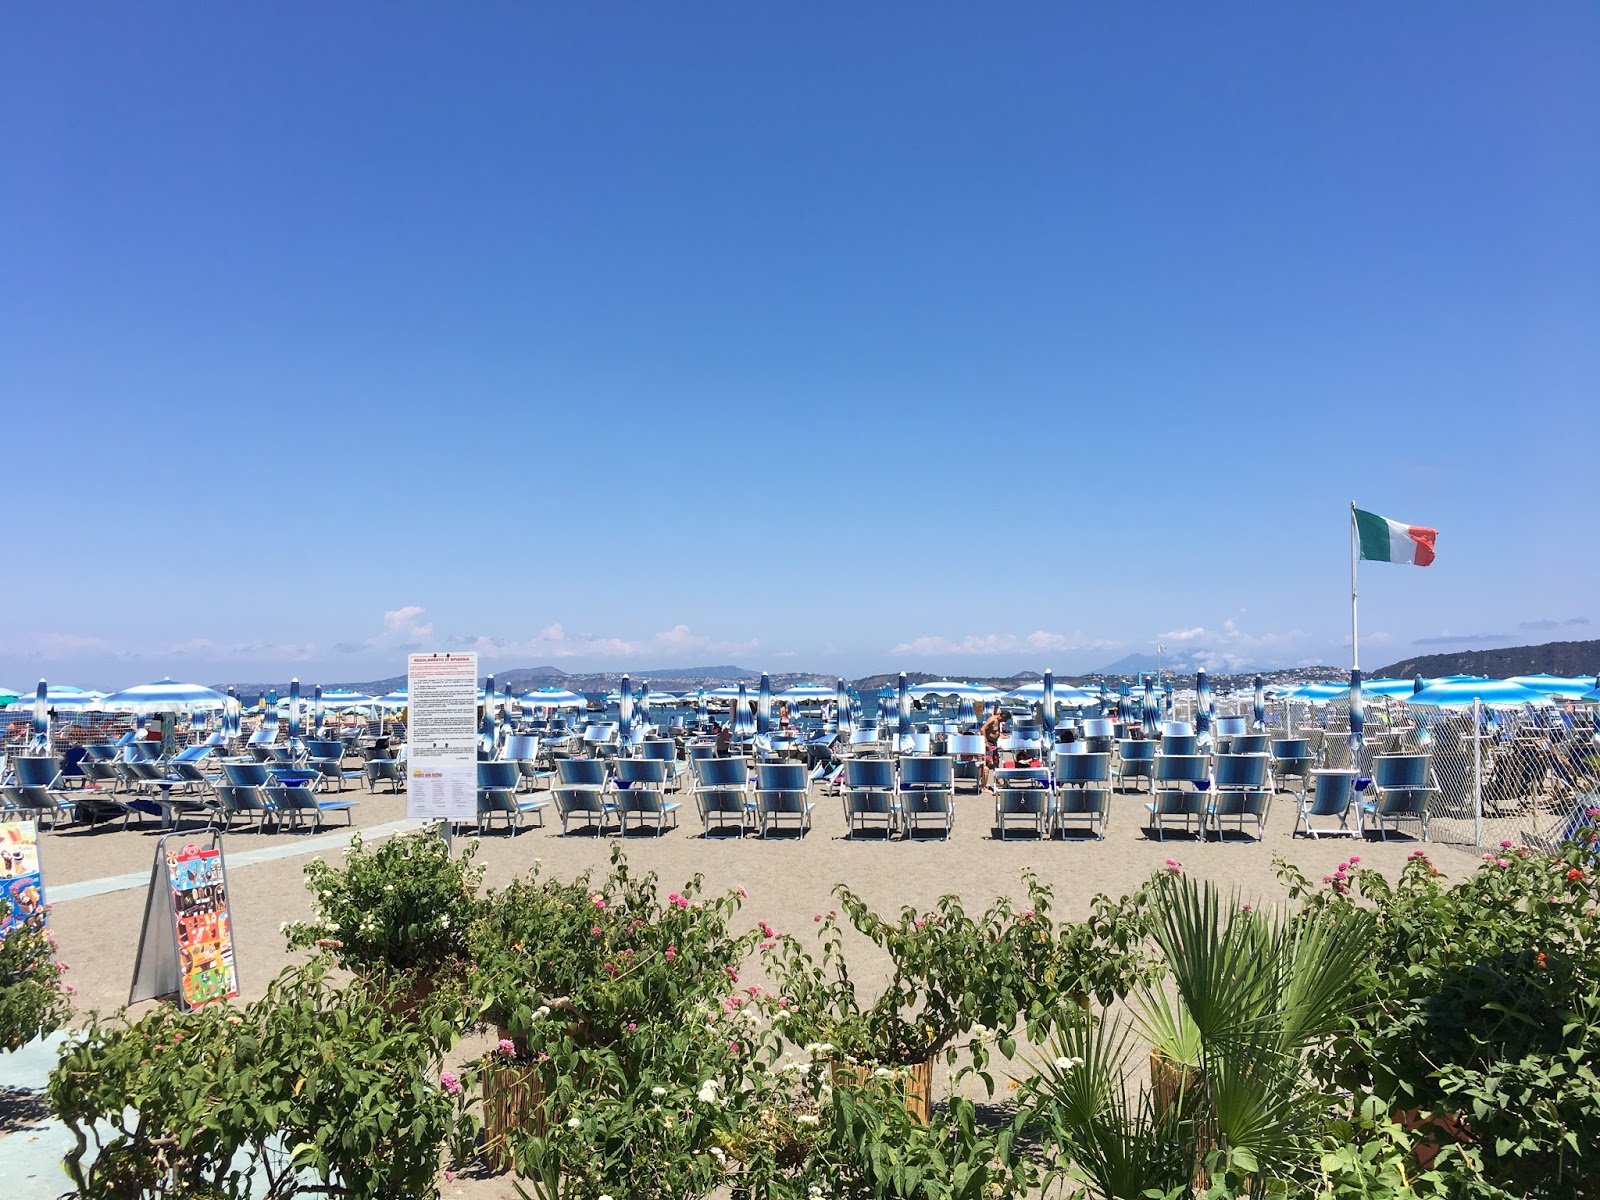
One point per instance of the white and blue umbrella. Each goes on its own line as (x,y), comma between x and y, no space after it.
(316,709)
(728,691)
(1553,685)
(397,699)
(1358,717)
(59,697)
(1202,704)
(1047,700)
(855,710)
(1319,693)
(807,693)
(294,710)
(165,696)
(1033,693)
(966,712)
(1259,708)
(903,711)
(230,716)
(486,729)
(553,697)
(702,710)
(841,710)
(1124,703)
(1420,717)
(1166,699)
(744,724)
(339,699)
(1387,687)
(625,712)
(41,719)
(1492,693)
(764,706)
(1104,698)
(949,687)
(1150,717)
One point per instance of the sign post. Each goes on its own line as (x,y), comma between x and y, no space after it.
(21,879)
(442,733)
(186,941)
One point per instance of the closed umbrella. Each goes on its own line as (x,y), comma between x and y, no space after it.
(625,712)
(1166,699)
(855,710)
(743,723)
(702,711)
(316,709)
(764,706)
(841,708)
(231,716)
(294,711)
(966,712)
(1047,701)
(41,719)
(1358,718)
(1151,715)
(1260,706)
(903,712)
(1105,698)
(1202,705)
(1420,716)
(1124,704)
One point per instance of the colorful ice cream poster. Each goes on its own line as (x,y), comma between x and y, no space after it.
(21,883)
(206,968)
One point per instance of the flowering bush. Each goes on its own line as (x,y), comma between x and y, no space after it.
(954,974)
(597,960)
(33,996)
(312,1078)
(1480,1013)
(406,906)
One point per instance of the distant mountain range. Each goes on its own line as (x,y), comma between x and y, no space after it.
(1552,658)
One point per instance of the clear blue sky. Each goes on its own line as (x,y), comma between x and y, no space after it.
(320,325)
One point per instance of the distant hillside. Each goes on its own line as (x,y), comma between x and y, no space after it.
(1552,658)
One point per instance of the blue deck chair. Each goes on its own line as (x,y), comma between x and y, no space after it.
(781,791)
(325,756)
(188,768)
(523,749)
(37,791)
(297,803)
(1251,743)
(1292,758)
(99,766)
(869,795)
(497,797)
(386,770)
(1334,792)
(1082,790)
(1239,792)
(1135,761)
(581,794)
(1022,792)
(1099,735)
(1403,784)
(666,750)
(1176,729)
(927,789)
(602,740)
(246,802)
(966,749)
(642,794)
(723,793)
(1179,743)
(1179,782)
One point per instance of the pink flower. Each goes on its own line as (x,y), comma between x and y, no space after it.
(1505,843)
(450,1083)
(743,895)
(599,901)
(595,931)
(766,930)
(1354,859)
(733,1047)
(672,953)
(611,968)
(506,1046)
(732,974)
(69,989)
(449,1175)
(1502,862)
(632,1026)
(1247,907)
(921,924)
(767,945)
(818,917)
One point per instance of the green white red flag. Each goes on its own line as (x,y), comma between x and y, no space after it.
(1383,540)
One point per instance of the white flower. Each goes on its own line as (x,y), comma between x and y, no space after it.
(882,1073)
(816,1048)
(658,1092)
(605,1198)
(808,1119)
(717,1153)
(708,1092)
(541,1012)
(444,922)
(572,1122)
(284,928)
(1066,1064)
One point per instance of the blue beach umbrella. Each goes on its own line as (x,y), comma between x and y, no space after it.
(1150,717)
(1166,699)
(230,716)
(553,697)
(41,718)
(903,710)
(1047,701)
(1202,704)
(1260,706)
(1105,698)
(764,706)
(294,710)
(1358,717)
(397,699)
(165,696)
(1420,716)
(625,712)
(966,713)
(841,707)
(316,709)
(1492,693)
(855,710)
(744,724)
(702,710)
(1553,685)
(1124,703)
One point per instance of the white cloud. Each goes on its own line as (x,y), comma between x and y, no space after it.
(931,645)
(679,643)
(1234,649)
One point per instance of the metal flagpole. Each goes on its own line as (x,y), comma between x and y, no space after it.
(1355,644)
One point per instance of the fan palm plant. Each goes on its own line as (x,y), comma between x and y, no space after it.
(1251,993)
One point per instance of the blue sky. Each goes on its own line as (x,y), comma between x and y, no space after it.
(603,335)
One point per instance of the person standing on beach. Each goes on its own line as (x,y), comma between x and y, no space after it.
(993,730)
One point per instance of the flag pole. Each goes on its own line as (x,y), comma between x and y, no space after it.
(1355,645)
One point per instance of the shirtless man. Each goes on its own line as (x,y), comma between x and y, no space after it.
(993,730)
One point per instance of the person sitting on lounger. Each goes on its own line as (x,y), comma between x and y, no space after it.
(724,741)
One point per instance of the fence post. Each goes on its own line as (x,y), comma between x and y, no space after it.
(1477,772)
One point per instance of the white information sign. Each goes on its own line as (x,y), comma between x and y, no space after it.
(442,735)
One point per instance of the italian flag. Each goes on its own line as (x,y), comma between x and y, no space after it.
(1383,540)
